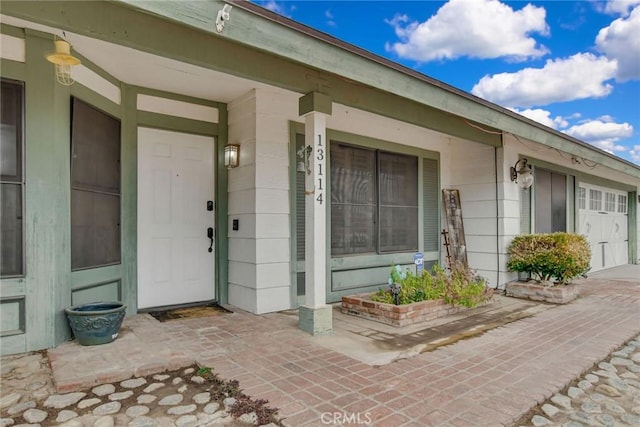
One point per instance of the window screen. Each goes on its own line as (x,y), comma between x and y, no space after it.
(353,200)
(95,187)
(374,201)
(11,179)
(398,178)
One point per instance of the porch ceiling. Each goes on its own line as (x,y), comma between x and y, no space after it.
(144,69)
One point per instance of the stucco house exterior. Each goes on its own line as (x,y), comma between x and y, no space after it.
(111,185)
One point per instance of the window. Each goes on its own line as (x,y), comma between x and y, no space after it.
(95,187)
(374,201)
(11,179)
(609,202)
(595,200)
(582,198)
(622,203)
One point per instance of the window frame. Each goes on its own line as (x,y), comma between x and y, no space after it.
(623,204)
(21,173)
(595,203)
(609,201)
(582,198)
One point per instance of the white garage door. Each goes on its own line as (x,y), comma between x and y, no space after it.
(603,220)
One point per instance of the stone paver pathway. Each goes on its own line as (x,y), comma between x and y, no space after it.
(180,398)
(490,380)
(609,395)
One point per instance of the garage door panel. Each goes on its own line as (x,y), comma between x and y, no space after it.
(604,226)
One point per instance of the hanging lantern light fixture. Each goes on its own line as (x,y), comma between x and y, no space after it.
(63,61)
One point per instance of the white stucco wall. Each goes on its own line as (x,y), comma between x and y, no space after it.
(472,171)
(259,254)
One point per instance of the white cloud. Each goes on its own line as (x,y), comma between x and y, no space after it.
(276,7)
(330,20)
(634,153)
(620,7)
(580,76)
(479,29)
(544,117)
(602,134)
(621,41)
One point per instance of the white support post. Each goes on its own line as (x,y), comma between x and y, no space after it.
(316,213)
(315,315)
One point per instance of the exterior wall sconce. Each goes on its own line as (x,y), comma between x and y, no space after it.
(522,175)
(222,17)
(63,61)
(302,157)
(231,156)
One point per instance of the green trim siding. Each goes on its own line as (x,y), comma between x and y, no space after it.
(138,29)
(314,101)
(177,124)
(634,256)
(178,97)
(47,208)
(129,197)
(222,209)
(10,30)
(12,69)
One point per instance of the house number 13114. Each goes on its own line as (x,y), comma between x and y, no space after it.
(320,161)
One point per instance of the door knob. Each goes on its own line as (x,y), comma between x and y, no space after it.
(210,236)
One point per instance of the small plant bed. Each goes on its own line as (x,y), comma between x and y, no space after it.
(551,260)
(539,291)
(417,298)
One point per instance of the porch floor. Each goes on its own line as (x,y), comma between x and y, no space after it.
(369,367)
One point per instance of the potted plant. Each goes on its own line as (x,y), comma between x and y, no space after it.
(96,323)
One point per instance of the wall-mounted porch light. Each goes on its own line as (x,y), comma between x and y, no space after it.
(522,175)
(222,17)
(231,156)
(63,61)
(302,159)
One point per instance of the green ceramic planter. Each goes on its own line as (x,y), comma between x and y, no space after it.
(96,323)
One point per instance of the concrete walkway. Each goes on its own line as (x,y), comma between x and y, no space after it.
(488,380)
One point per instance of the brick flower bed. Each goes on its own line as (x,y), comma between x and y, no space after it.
(535,291)
(397,315)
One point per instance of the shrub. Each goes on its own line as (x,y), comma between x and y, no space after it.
(459,287)
(559,256)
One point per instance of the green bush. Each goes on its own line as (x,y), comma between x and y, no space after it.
(550,256)
(459,287)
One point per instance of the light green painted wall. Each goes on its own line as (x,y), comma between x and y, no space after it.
(49,285)
(47,211)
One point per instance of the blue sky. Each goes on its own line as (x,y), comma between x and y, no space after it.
(571,65)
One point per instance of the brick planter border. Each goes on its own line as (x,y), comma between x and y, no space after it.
(397,315)
(535,291)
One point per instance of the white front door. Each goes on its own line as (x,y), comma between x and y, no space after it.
(176,257)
